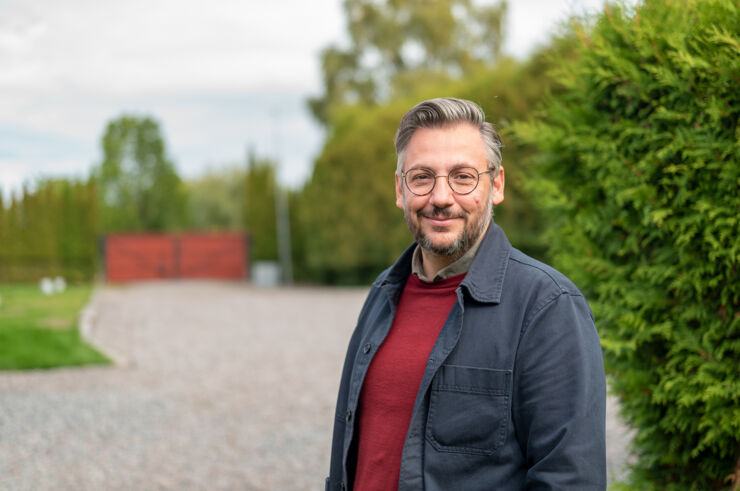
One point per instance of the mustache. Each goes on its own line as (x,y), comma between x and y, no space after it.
(437,212)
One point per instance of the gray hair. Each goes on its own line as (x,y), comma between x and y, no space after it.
(444,111)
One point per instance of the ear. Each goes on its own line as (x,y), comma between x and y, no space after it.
(399,192)
(498,187)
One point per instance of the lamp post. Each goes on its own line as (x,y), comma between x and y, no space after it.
(282,212)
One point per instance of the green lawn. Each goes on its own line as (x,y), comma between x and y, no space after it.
(39,331)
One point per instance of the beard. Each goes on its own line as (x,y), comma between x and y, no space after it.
(475,225)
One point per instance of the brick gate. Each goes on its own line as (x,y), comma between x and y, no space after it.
(145,257)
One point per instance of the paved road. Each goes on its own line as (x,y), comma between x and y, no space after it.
(216,386)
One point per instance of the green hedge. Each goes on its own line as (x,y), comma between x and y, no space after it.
(50,231)
(639,170)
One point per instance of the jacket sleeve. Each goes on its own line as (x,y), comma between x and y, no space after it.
(559,399)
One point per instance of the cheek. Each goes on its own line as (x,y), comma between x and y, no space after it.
(472,204)
(413,203)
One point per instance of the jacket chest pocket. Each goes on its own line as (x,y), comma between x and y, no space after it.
(469,409)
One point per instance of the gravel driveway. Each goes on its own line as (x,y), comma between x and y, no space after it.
(216,386)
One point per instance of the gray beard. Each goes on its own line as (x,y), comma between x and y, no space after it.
(460,246)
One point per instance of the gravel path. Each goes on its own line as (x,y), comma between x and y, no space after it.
(216,386)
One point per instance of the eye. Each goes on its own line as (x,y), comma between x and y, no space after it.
(420,177)
(463,176)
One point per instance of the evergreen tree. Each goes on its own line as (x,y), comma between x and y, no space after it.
(352,228)
(50,230)
(639,170)
(259,209)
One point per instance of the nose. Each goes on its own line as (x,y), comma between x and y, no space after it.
(442,195)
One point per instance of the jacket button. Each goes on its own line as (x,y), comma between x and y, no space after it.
(366,349)
(349,415)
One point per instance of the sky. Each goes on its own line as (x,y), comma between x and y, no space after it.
(220,77)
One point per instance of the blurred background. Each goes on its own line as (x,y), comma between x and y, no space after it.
(274,119)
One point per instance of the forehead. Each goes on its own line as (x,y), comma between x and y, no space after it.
(446,146)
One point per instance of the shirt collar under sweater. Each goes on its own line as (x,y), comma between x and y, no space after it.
(457,267)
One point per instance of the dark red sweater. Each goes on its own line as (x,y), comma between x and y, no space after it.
(393,378)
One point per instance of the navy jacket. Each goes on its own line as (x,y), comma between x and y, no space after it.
(514,392)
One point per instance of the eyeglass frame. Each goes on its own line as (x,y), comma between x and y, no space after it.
(436,176)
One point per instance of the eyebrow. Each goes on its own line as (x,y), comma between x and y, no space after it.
(458,165)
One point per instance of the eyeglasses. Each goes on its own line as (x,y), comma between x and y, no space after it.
(462,180)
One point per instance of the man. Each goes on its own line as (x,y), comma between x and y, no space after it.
(472,366)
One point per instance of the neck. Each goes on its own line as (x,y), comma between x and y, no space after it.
(432,263)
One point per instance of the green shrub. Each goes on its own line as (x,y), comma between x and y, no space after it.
(351,227)
(639,171)
(49,231)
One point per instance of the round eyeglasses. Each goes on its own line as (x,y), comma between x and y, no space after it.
(462,180)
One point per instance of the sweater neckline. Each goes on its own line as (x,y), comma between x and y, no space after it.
(451,282)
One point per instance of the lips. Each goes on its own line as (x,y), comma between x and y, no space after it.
(440,219)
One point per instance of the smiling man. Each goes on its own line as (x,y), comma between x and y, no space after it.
(472,366)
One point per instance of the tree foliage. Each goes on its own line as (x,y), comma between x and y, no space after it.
(139,186)
(353,229)
(394,44)
(50,230)
(259,209)
(639,172)
(216,199)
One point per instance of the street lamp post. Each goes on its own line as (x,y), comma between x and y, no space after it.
(282,212)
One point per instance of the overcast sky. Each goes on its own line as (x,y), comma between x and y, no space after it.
(220,77)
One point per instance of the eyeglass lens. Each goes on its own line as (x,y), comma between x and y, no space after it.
(462,180)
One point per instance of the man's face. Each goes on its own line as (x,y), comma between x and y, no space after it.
(445,223)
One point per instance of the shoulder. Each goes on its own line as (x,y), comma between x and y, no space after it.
(543,293)
(529,272)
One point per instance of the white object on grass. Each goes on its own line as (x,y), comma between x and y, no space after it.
(46,285)
(59,284)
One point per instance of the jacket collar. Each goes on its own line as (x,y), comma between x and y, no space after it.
(485,278)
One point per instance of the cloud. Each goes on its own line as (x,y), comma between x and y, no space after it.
(143,46)
(211,73)
(219,76)
(12,174)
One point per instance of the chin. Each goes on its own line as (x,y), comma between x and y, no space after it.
(450,247)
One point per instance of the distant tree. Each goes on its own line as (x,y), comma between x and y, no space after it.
(259,209)
(216,199)
(3,230)
(351,227)
(139,186)
(395,44)
(5,239)
(76,231)
(49,230)
(10,240)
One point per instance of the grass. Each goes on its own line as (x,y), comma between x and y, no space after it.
(39,331)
